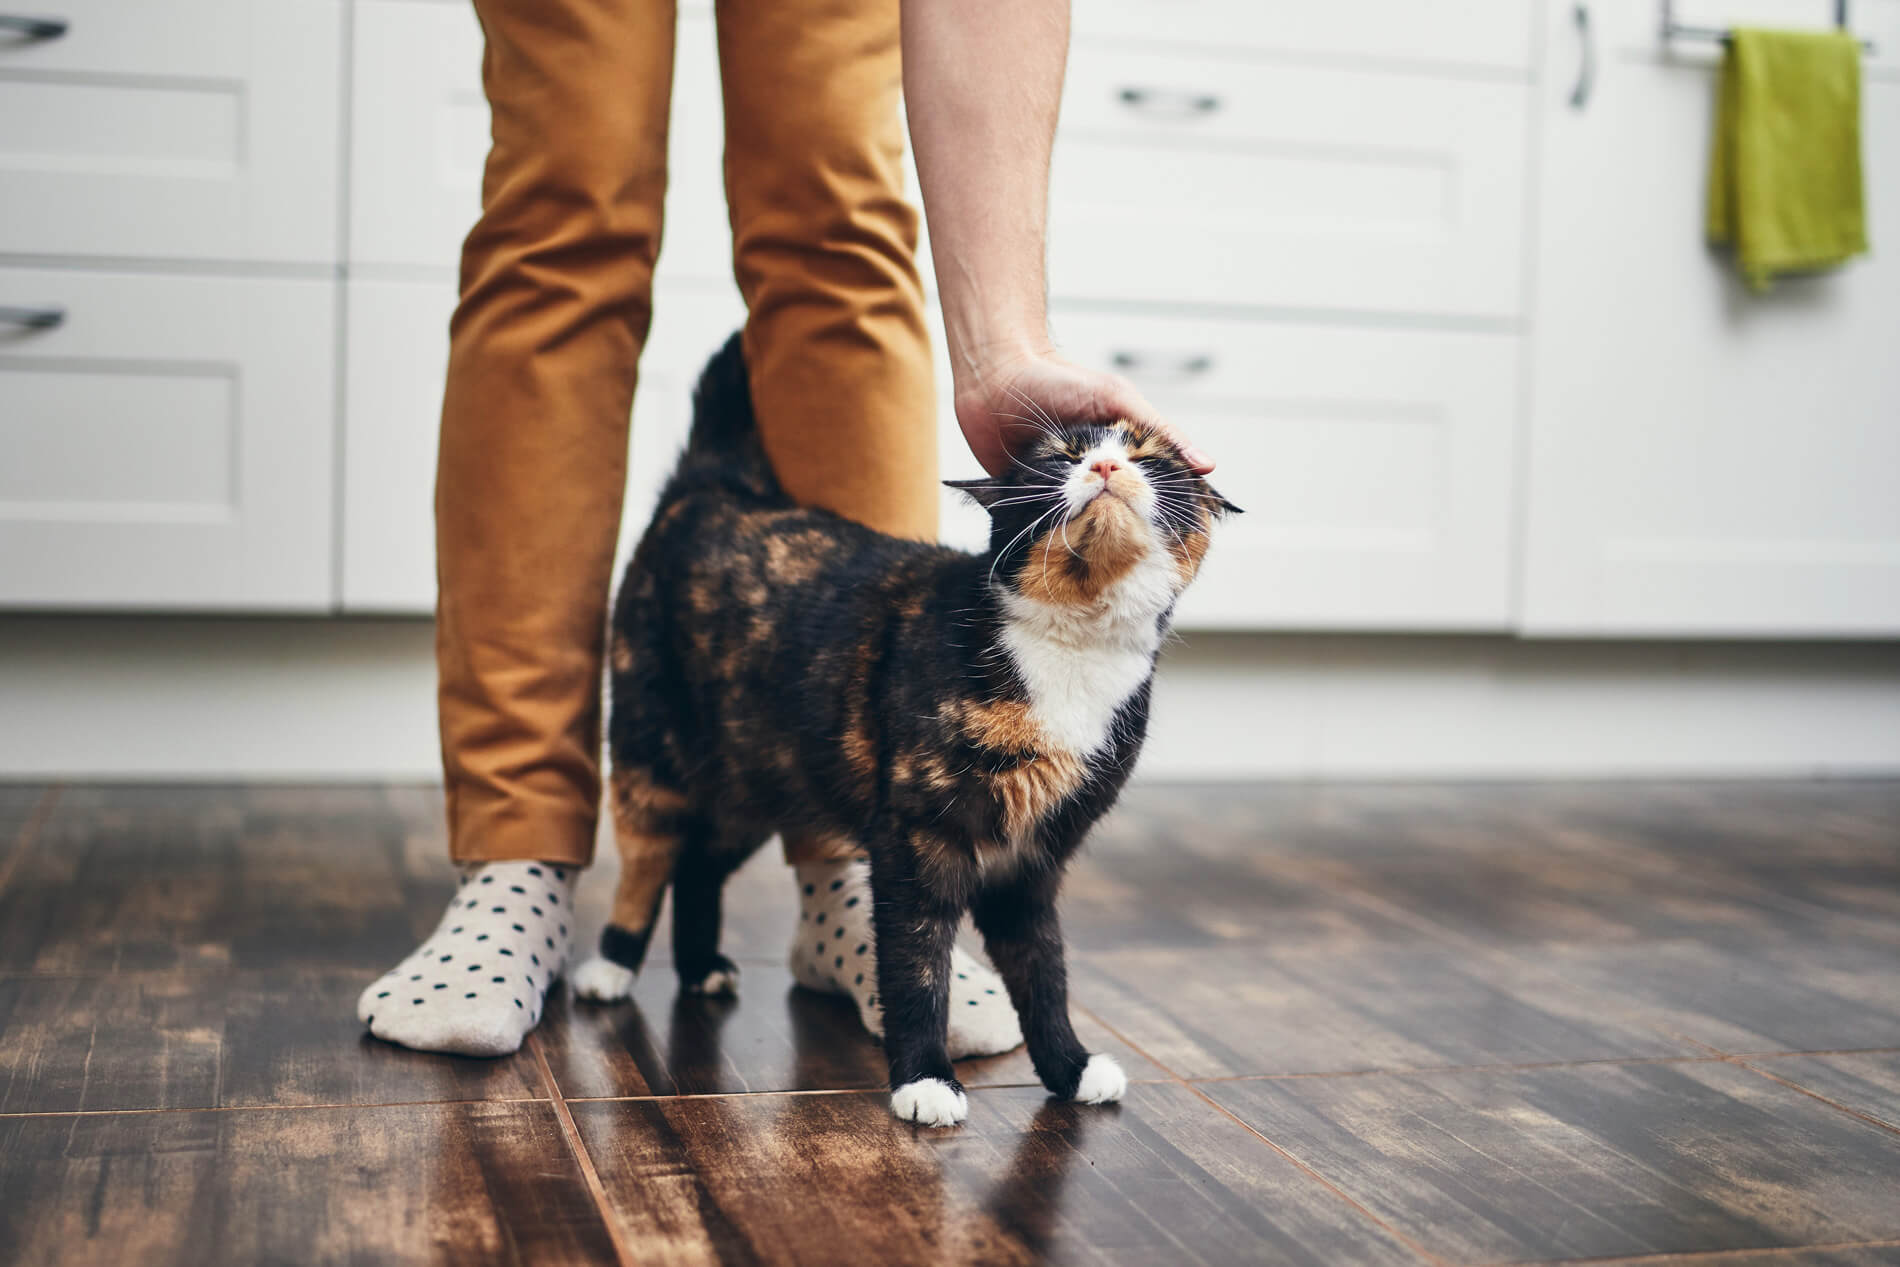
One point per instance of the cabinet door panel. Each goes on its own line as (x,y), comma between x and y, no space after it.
(200,129)
(397,355)
(1374,467)
(1704,461)
(1181,178)
(169,446)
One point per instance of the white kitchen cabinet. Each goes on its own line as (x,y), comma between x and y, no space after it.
(1703,460)
(1374,467)
(169,445)
(396,350)
(1193,178)
(396,356)
(419,130)
(202,129)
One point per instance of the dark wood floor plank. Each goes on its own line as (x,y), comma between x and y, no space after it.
(470,1183)
(773,1037)
(148,878)
(1587,1161)
(18,804)
(217,1038)
(1846,1256)
(1517,865)
(1867,1082)
(1737,997)
(1242,1010)
(833,1179)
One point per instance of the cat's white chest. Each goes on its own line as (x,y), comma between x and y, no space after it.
(1081,667)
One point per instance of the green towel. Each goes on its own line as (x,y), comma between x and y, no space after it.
(1784,180)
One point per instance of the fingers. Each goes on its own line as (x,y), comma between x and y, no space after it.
(994,418)
(1193,456)
(1128,402)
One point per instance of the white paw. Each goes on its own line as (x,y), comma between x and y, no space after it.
(720,981)
(1103,1081)
(602,980)
(930,1102)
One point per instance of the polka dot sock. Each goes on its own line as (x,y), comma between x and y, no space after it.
(834,951)
(476,986)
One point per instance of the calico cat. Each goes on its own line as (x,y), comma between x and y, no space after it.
(962,718)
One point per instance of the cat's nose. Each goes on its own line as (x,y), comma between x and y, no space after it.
(1105,467)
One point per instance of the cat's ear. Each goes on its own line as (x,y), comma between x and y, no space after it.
(984,492)
(1222,505)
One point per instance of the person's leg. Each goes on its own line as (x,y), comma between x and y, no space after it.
(824,250)
(555,301)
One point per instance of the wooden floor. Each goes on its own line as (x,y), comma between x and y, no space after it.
(1380,1024)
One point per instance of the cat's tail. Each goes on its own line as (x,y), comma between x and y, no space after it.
(724,447)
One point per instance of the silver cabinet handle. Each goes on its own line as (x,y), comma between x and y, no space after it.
(33,28)
(1169,102)
(1192,365)
(32,318)
(1587,58)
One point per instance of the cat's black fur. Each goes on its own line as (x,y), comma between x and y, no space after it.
(778,669)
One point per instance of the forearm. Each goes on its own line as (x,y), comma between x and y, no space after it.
(983,82)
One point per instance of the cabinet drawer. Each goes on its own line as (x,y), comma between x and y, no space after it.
(420,138)
(1186,178)
(192,129)
(169,445)
(1375,467)
(397,355)
(1494,34)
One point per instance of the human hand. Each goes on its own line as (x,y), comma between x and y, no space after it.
(999,408)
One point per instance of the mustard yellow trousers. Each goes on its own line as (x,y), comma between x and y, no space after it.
(556,299)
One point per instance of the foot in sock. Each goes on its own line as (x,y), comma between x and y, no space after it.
(476,986)
(834,952)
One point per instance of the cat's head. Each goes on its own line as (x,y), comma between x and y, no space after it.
(1090,511)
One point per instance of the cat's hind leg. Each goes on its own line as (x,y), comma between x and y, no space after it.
(699,882)
(651,821)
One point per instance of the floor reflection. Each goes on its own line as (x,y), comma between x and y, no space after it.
(1026,1202)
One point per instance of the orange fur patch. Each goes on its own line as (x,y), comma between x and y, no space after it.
(1188,551)
(1074,563)
(795,557)
(1046,776)
(641,809)
(639,800)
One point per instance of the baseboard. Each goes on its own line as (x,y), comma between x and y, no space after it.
(241,699)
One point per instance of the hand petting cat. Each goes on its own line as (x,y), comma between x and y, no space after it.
(996,406)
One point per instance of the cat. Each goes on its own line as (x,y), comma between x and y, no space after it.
(964,719)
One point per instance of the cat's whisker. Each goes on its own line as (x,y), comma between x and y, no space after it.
(1033,406)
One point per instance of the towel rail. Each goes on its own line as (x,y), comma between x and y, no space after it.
(1674,30)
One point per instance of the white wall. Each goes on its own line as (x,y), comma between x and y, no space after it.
(168,697)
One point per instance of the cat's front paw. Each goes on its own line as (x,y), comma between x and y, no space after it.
(602,980)
(930,1102)
(1103,1081)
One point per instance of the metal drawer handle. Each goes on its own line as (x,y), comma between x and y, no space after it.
(1586,58)
(1170,103)
(33,28)
(1190,366)
(32,318)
